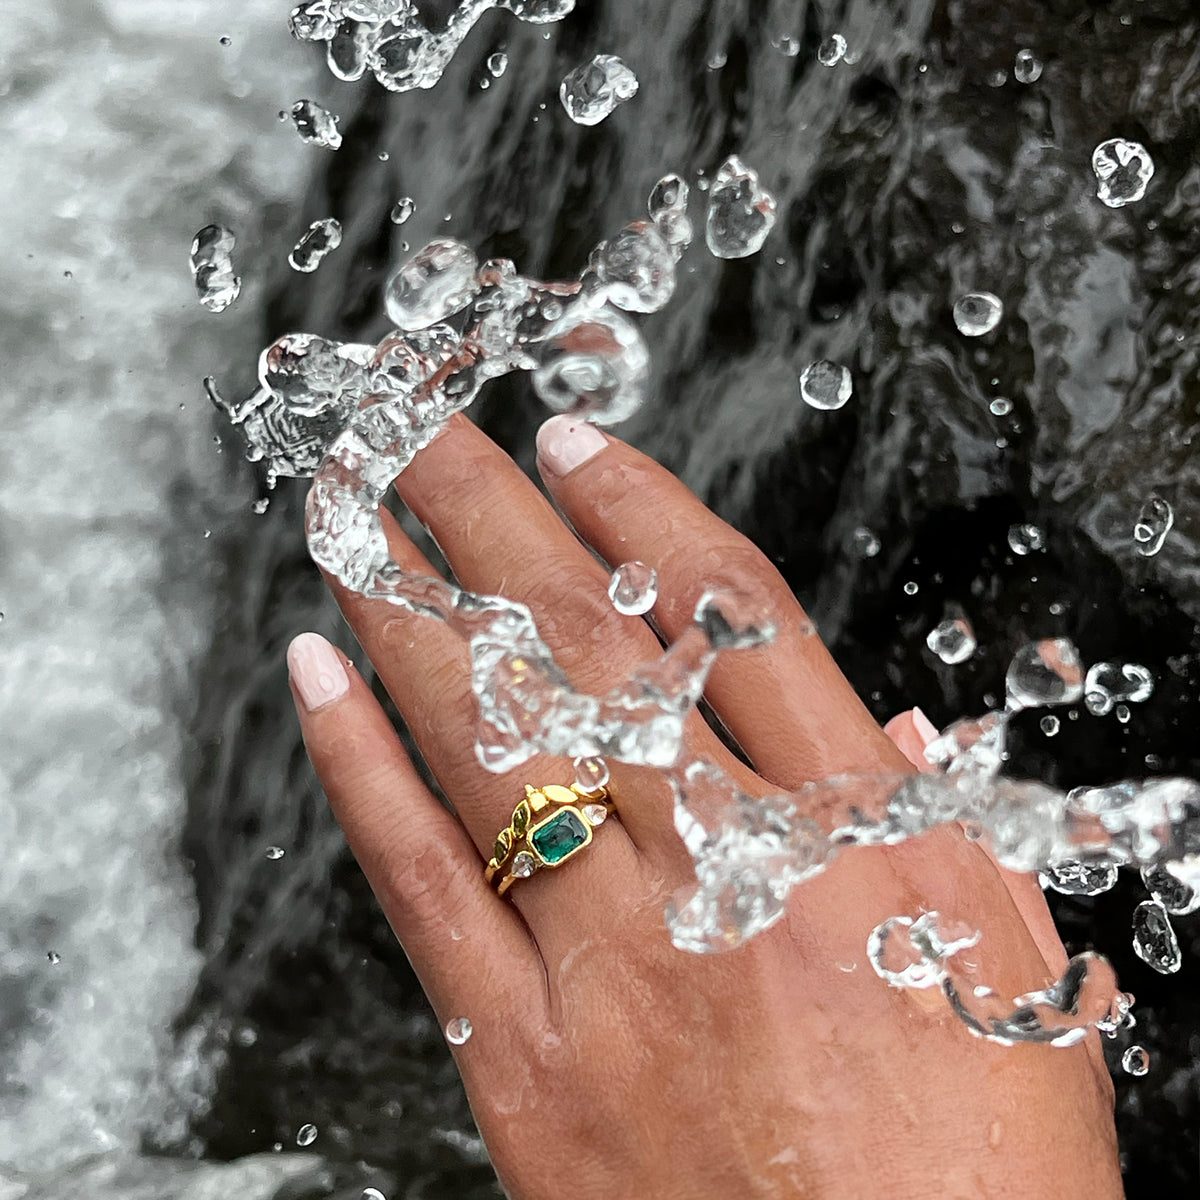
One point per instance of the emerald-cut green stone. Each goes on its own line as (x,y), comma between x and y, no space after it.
(559,837)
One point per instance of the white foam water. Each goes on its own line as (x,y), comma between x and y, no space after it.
(105,188)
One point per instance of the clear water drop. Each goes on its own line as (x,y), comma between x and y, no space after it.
(1028,67)
(1123,171)
(832,50)
(53,957)
(1110,683)
(741,212)
(316,125)
(306,1135)
(322,238)
(1044,673)
(977,313)
(275,853)
(1026,539)
(217,287)
(458,1031)
(1049,725)
(633,589)
(1154,939)
(1154,522)
(865,543)
(1136,1060)
(402,210)
(592,91)
(1072,877)
(440,279)
(591,774)
(1001,406)
(1174,894)
(911,588)
(497,64)
(825,385)
(953,640)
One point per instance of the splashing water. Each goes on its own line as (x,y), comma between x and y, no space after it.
(316,125)
(1154,522)
(633,589)
(389,38)
(1123,172)
(212,268)
(591,92)
(1178,897)
(741,212)
(321,239)
(925,953)
(825,385)
(977,313)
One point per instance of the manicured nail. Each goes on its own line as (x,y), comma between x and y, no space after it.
(564,443)
(924,726)
(317,671)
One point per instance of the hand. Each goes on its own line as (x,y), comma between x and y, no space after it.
(604,1062)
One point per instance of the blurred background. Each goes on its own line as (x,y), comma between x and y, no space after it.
(177,1000)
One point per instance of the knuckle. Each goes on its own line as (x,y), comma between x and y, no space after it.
(728,560)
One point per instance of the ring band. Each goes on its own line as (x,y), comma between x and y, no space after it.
(549,826)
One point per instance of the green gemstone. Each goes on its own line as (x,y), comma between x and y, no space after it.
(520,821)
(559,837)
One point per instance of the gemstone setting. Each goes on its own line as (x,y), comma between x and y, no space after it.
(559,837)
(523,865)
(595,814)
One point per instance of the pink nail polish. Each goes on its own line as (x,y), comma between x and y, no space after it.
(564,443)
(925,728)
(317,671)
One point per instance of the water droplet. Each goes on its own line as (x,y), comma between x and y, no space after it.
(1045,673)
(402,210)
(497,64)
(1154,939)
(261,506)
(953,640)
(226,40)
(316,125)
(1169,890)
(1049,725)
(865,543)
(458,1031)
(246,1036)
(633,589)
(1136,1060)
(1025,539)
(1123,171)
(1001,406)
(1122,714)
(1028,67)
(637,267)
(717,59)
(740,211)
(593,90)
(591,774)
(275,853)
(977,313)
(911,588)
(322,238)
(306,1135)
(53,957)
(440,279)
(1110,683)
(1154,522)
(212,268)
(825,385)
(1074,878)
(832,50)
(373,1194)
(788,44)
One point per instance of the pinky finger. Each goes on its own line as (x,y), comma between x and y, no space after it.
(471,950)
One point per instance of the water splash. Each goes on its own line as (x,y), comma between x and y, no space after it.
(1108,684)
(390,39)
(1123,171)
(1154,939)
(741,212)
(217,286)
(952,640)
(927,953)
(1044,673)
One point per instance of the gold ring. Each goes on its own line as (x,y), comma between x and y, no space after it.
(551,825)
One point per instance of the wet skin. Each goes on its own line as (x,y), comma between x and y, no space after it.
(605,1062)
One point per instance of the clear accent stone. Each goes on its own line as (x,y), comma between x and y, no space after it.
(523,865)
(595,814)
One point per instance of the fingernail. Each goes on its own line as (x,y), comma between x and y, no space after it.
(317,671)
(924,726)
(564,443)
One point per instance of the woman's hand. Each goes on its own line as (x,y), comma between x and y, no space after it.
(605,1063)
